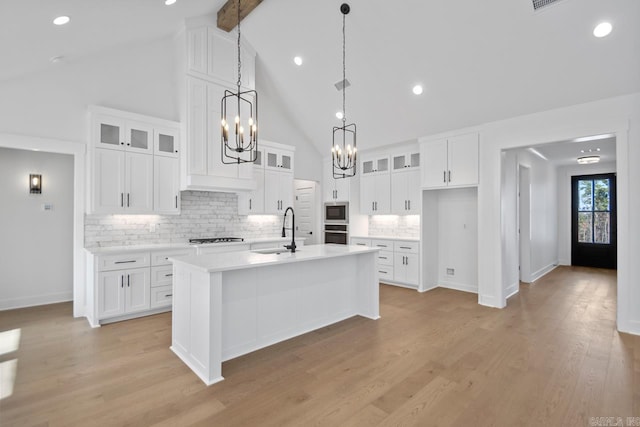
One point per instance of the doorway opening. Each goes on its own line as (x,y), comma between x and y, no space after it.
(524,222)
(593,221)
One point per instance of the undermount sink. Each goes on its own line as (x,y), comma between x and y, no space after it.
(276,251)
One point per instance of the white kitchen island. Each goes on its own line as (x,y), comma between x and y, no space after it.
(227,305)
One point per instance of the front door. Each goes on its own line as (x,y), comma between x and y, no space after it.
(593,222)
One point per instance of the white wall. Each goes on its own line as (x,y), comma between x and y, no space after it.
(36,246)
(564,203)
(543,216)
(619,115)
(276,124)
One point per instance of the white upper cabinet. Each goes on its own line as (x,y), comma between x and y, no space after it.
(375,186)
(405,161)
(335,190)
(213,54)
(451,162)
(166,185)
(122,152)
(405,192)
(252,202)
(277,159)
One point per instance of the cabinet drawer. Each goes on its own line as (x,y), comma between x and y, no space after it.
(385,258)
(123,261)
(161,296)
(162,257)
(406,246)
(385,245)
(162,275)
(385,273)
(360,241)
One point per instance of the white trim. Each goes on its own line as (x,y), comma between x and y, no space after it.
(512,289)
(543,272)
(12,303)
(78,150)
(459,287)
(490,301)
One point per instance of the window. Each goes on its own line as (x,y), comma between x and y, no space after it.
(594,211)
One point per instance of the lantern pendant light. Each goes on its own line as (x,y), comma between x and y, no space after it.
(241,108)
(343,148)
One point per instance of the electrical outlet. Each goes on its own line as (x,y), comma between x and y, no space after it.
(152,227)
(451,271)
(47,207)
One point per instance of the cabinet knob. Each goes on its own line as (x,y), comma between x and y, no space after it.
(129,145)
(176,151)
(122,143)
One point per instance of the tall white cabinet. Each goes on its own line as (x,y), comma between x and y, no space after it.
(375,185)
(124,171)
(405,183)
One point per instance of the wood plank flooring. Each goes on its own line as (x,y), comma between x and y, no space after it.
(552,358)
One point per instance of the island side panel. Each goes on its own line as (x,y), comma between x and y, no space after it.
(269,304)
(368,285)
(196,326)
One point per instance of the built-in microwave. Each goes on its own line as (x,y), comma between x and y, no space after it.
(336,213)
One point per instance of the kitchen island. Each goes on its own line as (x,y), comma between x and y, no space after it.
(227,305)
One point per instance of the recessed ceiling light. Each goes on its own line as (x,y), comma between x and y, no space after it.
(56,59)
(587,160)
(602,29)
(169,2)
(339,115)
(417,89)
(297,60)
(61,20)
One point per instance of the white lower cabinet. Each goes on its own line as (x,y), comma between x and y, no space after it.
(398,260)
(123,291)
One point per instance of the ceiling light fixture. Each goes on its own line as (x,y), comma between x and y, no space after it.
(417,89)
(343,147)
(297,60)
(169,2)
(603,29)
(239,150)
(339,115)
(61,20)
(587,160)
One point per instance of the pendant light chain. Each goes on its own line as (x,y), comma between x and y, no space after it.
(239,59)
(344,71)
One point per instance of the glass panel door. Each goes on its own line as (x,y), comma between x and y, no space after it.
(594,221)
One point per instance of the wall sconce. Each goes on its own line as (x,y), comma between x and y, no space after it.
(35,184)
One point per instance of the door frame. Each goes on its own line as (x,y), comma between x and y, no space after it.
(524,223)
(78,151)
(299,184)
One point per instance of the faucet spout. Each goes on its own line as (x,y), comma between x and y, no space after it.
(292,246)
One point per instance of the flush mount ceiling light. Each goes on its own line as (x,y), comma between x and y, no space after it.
(417,90)
(603,29)
(587,160)
(61,20)
(240,148)
(297,60)
(169,2)
(343,147)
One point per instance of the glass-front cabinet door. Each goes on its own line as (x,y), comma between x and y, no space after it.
(165,142)
(139,137)
(278,159)
(405,161)
(110,132)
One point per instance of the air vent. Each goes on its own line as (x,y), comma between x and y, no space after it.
(539,4)
(342,84)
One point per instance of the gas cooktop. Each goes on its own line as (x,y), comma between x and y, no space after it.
(216,240)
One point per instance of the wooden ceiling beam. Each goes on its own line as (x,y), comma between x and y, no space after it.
(228,14)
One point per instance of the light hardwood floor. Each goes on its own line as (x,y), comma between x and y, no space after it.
(551,358)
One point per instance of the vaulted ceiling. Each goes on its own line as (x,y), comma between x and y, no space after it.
(478,61)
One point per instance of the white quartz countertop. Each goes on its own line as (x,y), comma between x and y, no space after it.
(185,245)
(408,239)
(247,259)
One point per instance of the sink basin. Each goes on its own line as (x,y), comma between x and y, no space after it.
(276,251)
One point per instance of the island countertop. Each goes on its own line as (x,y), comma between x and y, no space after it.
(211,263)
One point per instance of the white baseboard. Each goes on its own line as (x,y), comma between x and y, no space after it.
(490,301)
(459,287)
(12,303)
(512,289)
(428,288)
(544,270)
(631,327)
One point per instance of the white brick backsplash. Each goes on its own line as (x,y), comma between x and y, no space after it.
(203,214)
(395,226)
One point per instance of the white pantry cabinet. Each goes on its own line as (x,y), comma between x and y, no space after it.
(451,162)
(335,190)
(122,182)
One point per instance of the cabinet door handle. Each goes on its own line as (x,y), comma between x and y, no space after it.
(128,281)
(361,244)
(122,200)
(449,176)
(409,203)
(444,176)
(128,194)
(382,257)
(249,204)
(381,246)
(122,281)
(168,295)
(176,202)
(125,262)
(380,271)
(168,275)
(405,247)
